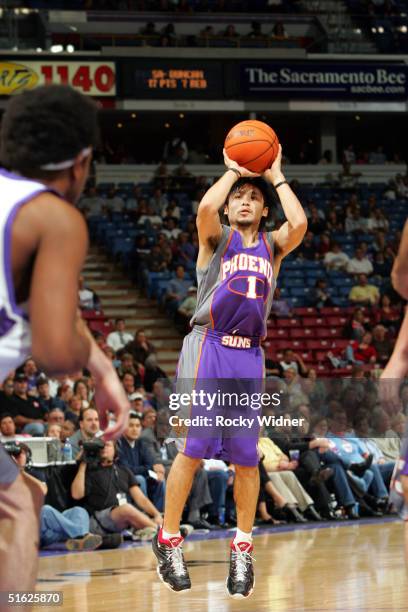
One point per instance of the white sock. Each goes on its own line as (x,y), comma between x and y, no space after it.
(167,536)
(241,536)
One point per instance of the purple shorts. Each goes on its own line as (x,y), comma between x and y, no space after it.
(396,491)
(225,365)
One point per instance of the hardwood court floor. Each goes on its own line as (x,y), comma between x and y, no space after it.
(353,568)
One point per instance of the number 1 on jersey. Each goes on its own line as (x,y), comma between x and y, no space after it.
(251,293)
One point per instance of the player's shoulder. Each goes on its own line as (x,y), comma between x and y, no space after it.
(49,210)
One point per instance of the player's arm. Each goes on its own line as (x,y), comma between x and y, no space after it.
(61,341)
(291,233)
(399,274)
(208,221)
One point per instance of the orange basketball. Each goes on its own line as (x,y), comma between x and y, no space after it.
(253,145)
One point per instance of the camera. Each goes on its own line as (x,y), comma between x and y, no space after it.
(14,449)
(92,450)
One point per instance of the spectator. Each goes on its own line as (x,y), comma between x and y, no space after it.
(280,471)
(364,294)
(114,203)
(134,453)
(307,250)
(386,439)
(319,296)
(54,431)
(256,30)
(70,527)
(28,414)
(128,382)
(149,29)
(382,345)
(355,328)
(105,490)
(31,372)
(149,218)
(349,155)
(377,221)
(218,476)
(188,306)
(347,178)
(171,231)
(359,264)
(88,428)
(140,348)
(386,314)
(47,402)
(362,352)
(91,203)
(152,373)
(81,388)
(127,365)
(88,300)
(6,393)
(324,245)
(381,267)
(7,426)
(336,259)
(294,361)
(279,32)
(355,223)
(280,306)
(326,158)
(229,32)
(177,289)
(158,201)
(73,410)
(67,430)
(378,156)
(175,150)
(316,224)
(119,338)
(55,417)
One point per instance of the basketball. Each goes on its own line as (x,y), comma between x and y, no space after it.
(253,145)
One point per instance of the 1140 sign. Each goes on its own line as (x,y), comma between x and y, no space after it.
(91,78)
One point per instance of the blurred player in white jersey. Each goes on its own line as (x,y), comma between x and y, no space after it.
(47,138)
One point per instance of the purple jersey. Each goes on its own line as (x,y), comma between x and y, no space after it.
(235,292)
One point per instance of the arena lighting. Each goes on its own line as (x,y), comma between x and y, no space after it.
(381,30)
(133,115)
(39,50)
(181,115)
(357,117)
(403,29)
(357,31)
(120,125)
(374,30)
(56,49)
(167,125)
(70,48)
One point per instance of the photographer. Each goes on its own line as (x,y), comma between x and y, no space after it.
(88,428)
(71,526)
(105,489)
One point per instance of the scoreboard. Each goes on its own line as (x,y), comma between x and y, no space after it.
(167,79)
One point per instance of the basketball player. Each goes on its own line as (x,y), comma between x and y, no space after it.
(237,268)
(47,136)
(391,379)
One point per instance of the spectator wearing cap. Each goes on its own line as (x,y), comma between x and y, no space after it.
(28,414)
(137,401)
(119,338)
(135,454)
(7,427)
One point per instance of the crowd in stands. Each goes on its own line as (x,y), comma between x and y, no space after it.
(386,21)
(335,314)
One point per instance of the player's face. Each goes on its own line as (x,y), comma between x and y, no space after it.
(246,206)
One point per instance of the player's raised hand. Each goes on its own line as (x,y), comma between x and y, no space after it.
(274,174)
(230,163)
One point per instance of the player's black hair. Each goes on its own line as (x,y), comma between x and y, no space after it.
(264,187)
(50,124)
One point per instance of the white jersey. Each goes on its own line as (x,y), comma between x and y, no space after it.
(15,333)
